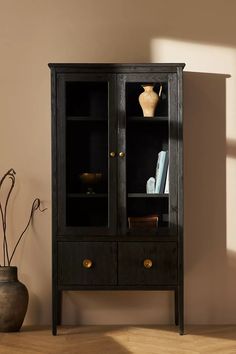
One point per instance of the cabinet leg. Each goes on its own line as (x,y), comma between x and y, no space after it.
(59,306)
(54,312)
(176,308)
(181,309)
(54,322)
(54,330)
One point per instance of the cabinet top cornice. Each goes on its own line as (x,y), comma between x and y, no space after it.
(117,67)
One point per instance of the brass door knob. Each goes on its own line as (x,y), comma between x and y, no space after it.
(87,263)
(112,154)
(147,263)
(121,154)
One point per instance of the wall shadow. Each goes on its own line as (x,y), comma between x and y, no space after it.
(208,272)
(231,148)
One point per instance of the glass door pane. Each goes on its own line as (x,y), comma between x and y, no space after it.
(87,173)
(149,148)
(86,129)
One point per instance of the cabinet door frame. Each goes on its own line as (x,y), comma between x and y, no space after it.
(173,127)
(62,228)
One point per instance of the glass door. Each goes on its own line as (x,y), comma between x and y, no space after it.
(86,137)
(148,144)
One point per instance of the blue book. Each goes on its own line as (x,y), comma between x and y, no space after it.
(166,191)
(164,173)
(161,170)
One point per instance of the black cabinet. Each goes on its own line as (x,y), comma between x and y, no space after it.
(109,231)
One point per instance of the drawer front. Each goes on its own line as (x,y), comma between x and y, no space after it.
(160,266)
(73,269)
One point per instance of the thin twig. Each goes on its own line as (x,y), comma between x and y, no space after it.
(3,214)
(12,178)
(4,240)
(35,205)
(11,174)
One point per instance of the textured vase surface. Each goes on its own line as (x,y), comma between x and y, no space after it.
(13,300)
(148,100)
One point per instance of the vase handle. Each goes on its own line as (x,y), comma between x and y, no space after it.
(160,90)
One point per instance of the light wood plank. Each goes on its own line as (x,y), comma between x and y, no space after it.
(121,340)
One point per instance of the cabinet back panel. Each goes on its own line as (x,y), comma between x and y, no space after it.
(141,207)
(86,99)
(86,151)
(134,89)
(144,142)
(91,212)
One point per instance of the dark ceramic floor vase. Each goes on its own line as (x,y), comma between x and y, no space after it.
(13,300)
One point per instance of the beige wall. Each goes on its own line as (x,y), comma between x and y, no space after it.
(200,33)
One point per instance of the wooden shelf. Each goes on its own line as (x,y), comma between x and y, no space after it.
(84,195)
(86,119)
(145,195)
(147,119)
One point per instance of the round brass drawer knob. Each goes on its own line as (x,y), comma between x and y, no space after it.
(147,263)
(112,154)
(121,154)
(87,263)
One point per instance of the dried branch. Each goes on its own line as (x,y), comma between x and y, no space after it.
(11,175)
(35,205)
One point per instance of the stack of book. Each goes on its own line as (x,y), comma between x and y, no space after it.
(162,173)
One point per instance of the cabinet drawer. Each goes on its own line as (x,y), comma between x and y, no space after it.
(161,263)
(73,269)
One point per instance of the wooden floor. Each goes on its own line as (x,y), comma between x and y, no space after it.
(121,340)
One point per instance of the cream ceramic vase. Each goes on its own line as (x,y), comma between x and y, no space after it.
(149,99)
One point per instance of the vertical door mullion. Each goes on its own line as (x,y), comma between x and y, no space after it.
(173,151)
(122,193)
(112,161)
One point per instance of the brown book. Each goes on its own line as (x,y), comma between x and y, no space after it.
(143,222)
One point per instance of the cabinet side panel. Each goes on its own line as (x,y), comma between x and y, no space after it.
(180,202)
(180,174)
(54,196)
